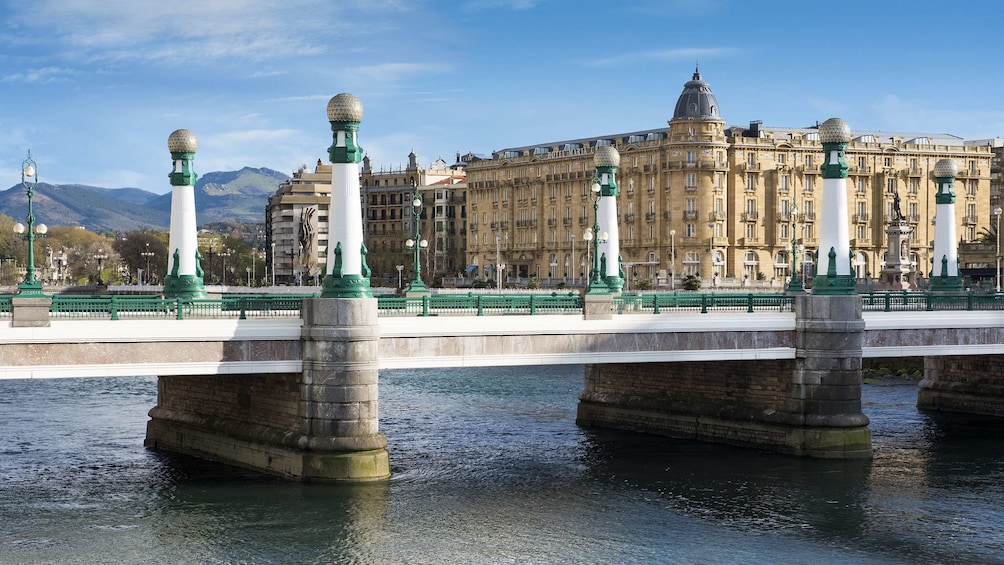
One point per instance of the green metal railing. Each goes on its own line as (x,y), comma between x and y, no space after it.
(243,306)
(702,302)
(895,301)
(117,307)
(479,304)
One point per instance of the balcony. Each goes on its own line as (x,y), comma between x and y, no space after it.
(566,221)
(784,216)
(583,220)
(552,222)
(650,216)
(859,218)
(750,216)
(690,214)
(629,217)
(807,217)
(750,167)
(716,216)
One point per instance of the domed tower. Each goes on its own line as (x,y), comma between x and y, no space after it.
(184,278)
(697,168)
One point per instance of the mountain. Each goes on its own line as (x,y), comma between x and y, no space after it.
(236,195)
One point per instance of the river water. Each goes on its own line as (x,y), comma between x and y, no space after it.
(489,467)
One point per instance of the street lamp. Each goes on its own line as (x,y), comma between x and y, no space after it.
(416,244)
(148,254)
(672,259)
(711,252)
(248,269)
(997,214)
(794,285)
(29,179)
(400,272)
(596,284)
(100,257)
(273,263)
(223,255)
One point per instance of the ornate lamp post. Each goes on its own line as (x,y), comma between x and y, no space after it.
(147,254)
(596,283)
(711,251)
(29,179)
(100,257)
(223,267)
(794,285)
(672,259)
(997,214)
(416,244)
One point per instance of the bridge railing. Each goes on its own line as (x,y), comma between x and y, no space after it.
(895,301)
(701,302)
(479,304)
(117,307)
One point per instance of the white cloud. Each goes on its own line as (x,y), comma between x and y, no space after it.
(44,75)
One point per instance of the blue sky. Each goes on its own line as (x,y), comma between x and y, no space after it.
(94,88)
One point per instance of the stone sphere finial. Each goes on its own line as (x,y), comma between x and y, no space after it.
(182,141)
(945,168)
(607,156)
(345,108)
(834,130)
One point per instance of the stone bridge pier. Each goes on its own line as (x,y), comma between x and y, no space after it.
(319,424)
(808,406)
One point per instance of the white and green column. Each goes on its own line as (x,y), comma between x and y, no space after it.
(945,270)
(184,278)
(346,274)
(606,160)
(833,266)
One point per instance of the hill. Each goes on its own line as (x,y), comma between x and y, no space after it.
(238,196)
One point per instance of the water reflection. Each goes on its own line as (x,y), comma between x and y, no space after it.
(489,467)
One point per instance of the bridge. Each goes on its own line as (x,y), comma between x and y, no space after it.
(727,368)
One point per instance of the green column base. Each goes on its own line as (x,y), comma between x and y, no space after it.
(945,284)
(184,286)
(835,285)
(346,286)
(33,288)
(615,284)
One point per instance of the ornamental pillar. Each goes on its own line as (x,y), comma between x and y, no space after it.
(346,274)
(833,266)
(184,278)
(945,271)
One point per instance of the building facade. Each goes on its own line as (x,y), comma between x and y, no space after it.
(297,221)
(707,199)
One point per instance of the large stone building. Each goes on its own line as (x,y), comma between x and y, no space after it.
(297,221)
(700,197)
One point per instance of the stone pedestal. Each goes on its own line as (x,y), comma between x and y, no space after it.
(319,424)
(898,273)
(597,306)
(825,393)
(808,406)
(339,399)
(30,312)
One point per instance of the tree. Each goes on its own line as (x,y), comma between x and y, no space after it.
(131,247)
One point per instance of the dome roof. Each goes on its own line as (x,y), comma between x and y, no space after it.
(606,156)
(696,102)
(834,130)
(345,108)
(945,168)
(182,141)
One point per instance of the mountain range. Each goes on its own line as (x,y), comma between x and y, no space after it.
(219,196)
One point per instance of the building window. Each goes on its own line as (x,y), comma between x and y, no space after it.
(785,181)
(810,183)
(750,182)
(691,156)
(862,185)
(890,185)
(690,231)
(691,181)
(751,231)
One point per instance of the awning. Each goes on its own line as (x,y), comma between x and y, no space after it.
(471,268)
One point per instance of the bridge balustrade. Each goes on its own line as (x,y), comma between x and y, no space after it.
(244,306)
